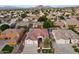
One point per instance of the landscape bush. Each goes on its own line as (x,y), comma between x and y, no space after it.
(47,50)
(7,49)
(76,50)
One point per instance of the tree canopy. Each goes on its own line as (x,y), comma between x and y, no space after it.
(4,27)
(42,19)
(48,24)
(62,17)
(23,15)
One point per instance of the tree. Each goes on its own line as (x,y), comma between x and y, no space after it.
(48,24)
(42,19)
(77,18)
(62,17)
(71,26)
(23,15)
(4,27)
(46,14)
(67,15)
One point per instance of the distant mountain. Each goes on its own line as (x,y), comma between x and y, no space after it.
(9,8)
(36,7)
(57,6)
(42,6)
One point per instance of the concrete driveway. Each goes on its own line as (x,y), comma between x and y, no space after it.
(64,49)
(2,44)
(29,48)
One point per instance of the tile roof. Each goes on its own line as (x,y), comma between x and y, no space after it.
(64,34)
(34,33)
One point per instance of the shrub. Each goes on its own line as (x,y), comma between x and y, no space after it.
(47,51)
(62,17)
(7,49)
(4,27)
(74,46)
(46,42)
(76,50)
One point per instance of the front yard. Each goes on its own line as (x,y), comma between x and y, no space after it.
(7,49)
(45,47)
(47,50)
(76,49)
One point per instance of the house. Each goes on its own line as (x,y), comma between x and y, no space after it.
(22,24)
(12,35)
(34,35)
(37,24)
(59,23)
(52,17)
(65,37)
(13,38)
(25,19)
(14,20)
(77,29)
(71,21)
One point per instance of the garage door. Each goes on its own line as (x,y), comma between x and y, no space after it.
(62,41)
(31,41)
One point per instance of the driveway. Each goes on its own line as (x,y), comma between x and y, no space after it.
(63,49)
(2,44)
(30,48)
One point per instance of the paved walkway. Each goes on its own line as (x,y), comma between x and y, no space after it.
(63,49)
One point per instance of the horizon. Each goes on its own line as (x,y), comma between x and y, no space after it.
(27,6)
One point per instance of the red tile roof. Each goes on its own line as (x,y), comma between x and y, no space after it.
(34,33)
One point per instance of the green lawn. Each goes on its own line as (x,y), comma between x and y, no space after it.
(47,51)
(7,49)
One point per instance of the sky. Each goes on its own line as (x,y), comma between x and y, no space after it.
(33,3)
(39,2)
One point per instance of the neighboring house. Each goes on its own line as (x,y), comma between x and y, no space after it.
(12,24)
(51,17)
(7,17)
(59,23)
(25,19)
(71,21)
(65,37)
(77,29)
(41,13)
(67,13)
(22,24)
(14,20)
(12,35)
(37,24)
